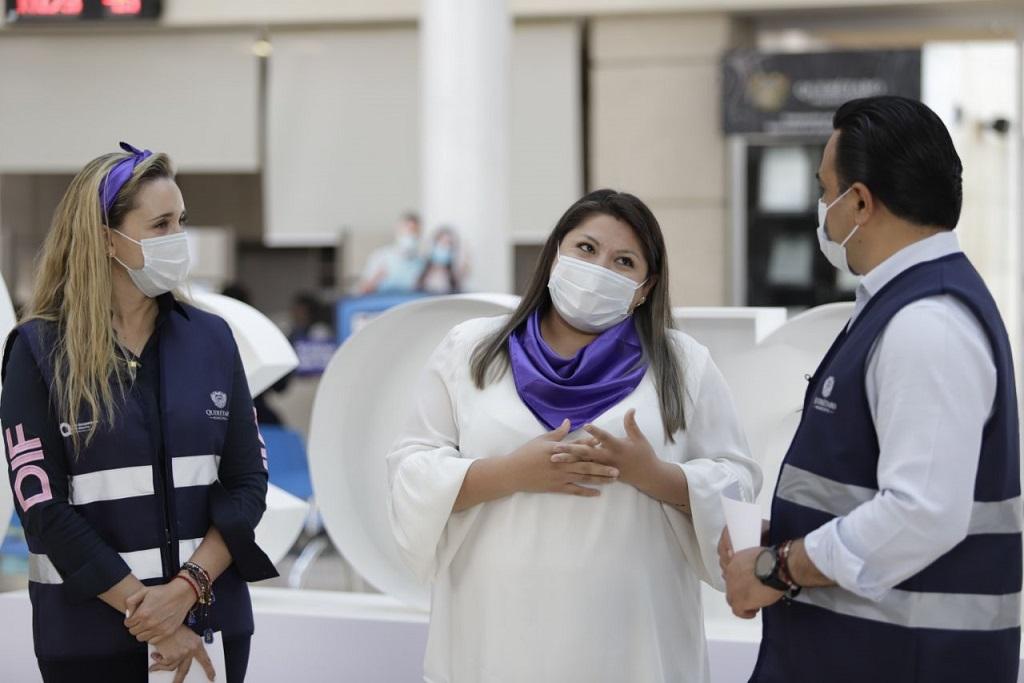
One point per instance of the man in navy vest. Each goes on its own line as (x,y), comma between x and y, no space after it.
(894,548)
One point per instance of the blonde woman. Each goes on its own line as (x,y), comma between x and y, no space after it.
(136,465)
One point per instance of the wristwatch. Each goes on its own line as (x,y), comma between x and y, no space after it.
(766,569)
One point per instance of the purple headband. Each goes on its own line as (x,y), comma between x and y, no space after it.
(118,175)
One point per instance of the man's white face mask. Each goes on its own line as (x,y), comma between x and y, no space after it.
(835,252)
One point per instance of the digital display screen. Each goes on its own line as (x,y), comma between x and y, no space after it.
(40,11)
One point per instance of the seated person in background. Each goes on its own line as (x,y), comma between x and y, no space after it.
(310,334)
(396,267)
(443,272)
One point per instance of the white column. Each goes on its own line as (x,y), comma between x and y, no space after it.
(464,55)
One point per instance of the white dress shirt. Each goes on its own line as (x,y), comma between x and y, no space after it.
(553,587)
(931,383)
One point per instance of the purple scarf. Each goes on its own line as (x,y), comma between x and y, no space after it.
(580,388)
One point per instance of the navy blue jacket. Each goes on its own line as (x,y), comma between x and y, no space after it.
(183,454)
(959,618)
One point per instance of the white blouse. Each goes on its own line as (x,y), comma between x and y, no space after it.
(541,587)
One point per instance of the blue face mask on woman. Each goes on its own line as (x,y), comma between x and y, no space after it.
(441,256)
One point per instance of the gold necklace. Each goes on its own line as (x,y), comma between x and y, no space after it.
(129,358)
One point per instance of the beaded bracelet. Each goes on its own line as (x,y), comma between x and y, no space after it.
(190,585)
(200,612)
(787,577)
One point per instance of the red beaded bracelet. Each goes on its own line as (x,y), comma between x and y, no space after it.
(190,585)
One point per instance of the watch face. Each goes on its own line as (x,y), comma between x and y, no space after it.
(764,566)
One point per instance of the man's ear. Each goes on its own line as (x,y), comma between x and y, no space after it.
(866,203)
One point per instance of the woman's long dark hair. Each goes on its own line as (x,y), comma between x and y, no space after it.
(653,318)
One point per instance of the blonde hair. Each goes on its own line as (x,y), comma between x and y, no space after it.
(73,290)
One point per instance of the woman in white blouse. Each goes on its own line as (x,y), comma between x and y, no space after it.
(559,480)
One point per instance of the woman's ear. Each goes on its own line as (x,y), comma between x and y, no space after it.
(649,285)
(645,291)
(110,241)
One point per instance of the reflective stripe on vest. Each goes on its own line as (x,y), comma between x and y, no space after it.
(144,564)
(912,609)
(130,482)
(952,611)
(814,491)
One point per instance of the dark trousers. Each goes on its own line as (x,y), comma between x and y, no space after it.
(133,668)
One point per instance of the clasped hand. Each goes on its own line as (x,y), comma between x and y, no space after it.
(631,456)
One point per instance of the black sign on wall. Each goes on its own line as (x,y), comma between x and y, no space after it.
(64,11)
(798,93)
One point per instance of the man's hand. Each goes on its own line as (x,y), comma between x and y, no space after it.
(744,592)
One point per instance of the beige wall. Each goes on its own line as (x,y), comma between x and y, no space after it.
(655,132)
(194,93)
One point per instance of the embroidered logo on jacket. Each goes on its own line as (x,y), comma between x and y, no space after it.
(81,427)
(220,399)
(821,403)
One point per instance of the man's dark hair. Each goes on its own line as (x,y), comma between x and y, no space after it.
(902,152)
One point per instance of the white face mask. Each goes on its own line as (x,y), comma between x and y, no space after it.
(835,252)
(165,263)
(589,297)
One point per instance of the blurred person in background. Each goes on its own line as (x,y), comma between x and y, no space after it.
(307,319)
(396,267)
(137,468)
(311,334)
(443,273)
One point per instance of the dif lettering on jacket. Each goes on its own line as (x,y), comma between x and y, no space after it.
(31,483)
(220,400)
(821,403)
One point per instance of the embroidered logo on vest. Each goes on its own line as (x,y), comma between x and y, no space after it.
(821,403)
(220,399)
(82,427)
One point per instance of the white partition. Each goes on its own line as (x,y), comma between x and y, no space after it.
(7,323)
(728,330)
(282,522)
(266,353)
(768,382)
(362,402)
(267,356)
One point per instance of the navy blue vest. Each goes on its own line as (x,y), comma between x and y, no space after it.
(959,618)
(154,514)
